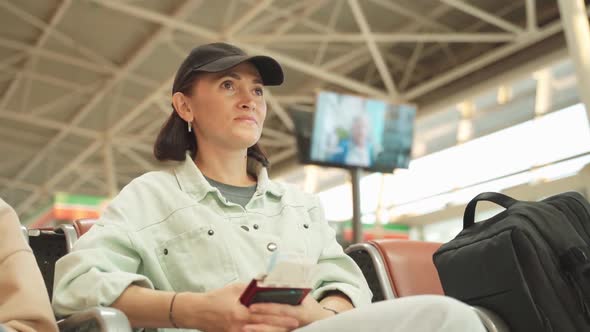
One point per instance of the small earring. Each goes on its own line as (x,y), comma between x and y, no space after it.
(190,127)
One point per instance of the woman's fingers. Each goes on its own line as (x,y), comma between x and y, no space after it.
(263,328)
(275,309)
(275,320)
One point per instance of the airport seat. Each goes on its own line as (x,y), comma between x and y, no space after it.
(73,231)
(70,235)
(398,268)
(48,246)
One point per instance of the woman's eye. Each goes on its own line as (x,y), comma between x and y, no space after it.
(259,91)
(227,85)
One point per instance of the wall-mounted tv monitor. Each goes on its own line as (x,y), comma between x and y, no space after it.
(354,132)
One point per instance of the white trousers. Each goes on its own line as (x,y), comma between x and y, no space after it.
(423,313)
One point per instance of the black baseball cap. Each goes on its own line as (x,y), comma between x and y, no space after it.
(216,57)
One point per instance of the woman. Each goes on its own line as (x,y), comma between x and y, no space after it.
(175,247)
(24,303)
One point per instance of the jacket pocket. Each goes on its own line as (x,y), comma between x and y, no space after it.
(197,260)
(300,233)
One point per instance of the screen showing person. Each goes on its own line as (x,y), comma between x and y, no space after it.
(352,131)
(397,137)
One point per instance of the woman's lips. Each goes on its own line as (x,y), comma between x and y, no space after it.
(248,119)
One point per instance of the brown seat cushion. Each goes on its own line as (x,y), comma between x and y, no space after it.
(410,267)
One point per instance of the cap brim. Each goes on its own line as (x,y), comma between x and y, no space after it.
(270,70)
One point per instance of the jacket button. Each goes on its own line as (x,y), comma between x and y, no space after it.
(271,246)
(305,226)
(210,232)
(255,226)
(165,251)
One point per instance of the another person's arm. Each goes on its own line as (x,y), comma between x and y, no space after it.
(24,303)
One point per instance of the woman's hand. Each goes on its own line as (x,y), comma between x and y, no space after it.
(263,314)
(221,310)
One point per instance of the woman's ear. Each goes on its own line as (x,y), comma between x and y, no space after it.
(181,107)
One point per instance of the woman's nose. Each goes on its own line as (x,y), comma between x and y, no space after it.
(248,103)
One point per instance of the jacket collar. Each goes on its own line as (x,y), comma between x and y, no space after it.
(191,180)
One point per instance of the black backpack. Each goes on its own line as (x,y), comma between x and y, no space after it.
(530,264)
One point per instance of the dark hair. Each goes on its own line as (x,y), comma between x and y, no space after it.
(174,139)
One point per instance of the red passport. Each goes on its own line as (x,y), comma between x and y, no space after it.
(287,281)
(257,293)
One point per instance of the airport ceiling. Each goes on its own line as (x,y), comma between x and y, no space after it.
(85,84)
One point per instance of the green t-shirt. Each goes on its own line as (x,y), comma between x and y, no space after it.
(234,194)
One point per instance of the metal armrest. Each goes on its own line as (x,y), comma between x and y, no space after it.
(25,232)
(491,321)
(96,319)
(384,283)
(70,234)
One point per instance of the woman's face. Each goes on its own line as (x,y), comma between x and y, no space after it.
(229,107)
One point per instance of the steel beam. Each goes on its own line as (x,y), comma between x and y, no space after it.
(544,93)
(73,61)
(484,60)
(312,7)
(247,17)
(286,60)
(531,15)
(23,206)
(363,24)
(47,123)
(411,65)
(319,57)
(574,17)
(484,16)
(20,184)
(55,18)
(55,33)
(181,12)
(278,109)
(110,171)
(426,37)
(136,158)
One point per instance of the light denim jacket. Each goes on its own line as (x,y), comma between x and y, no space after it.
(171,230)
